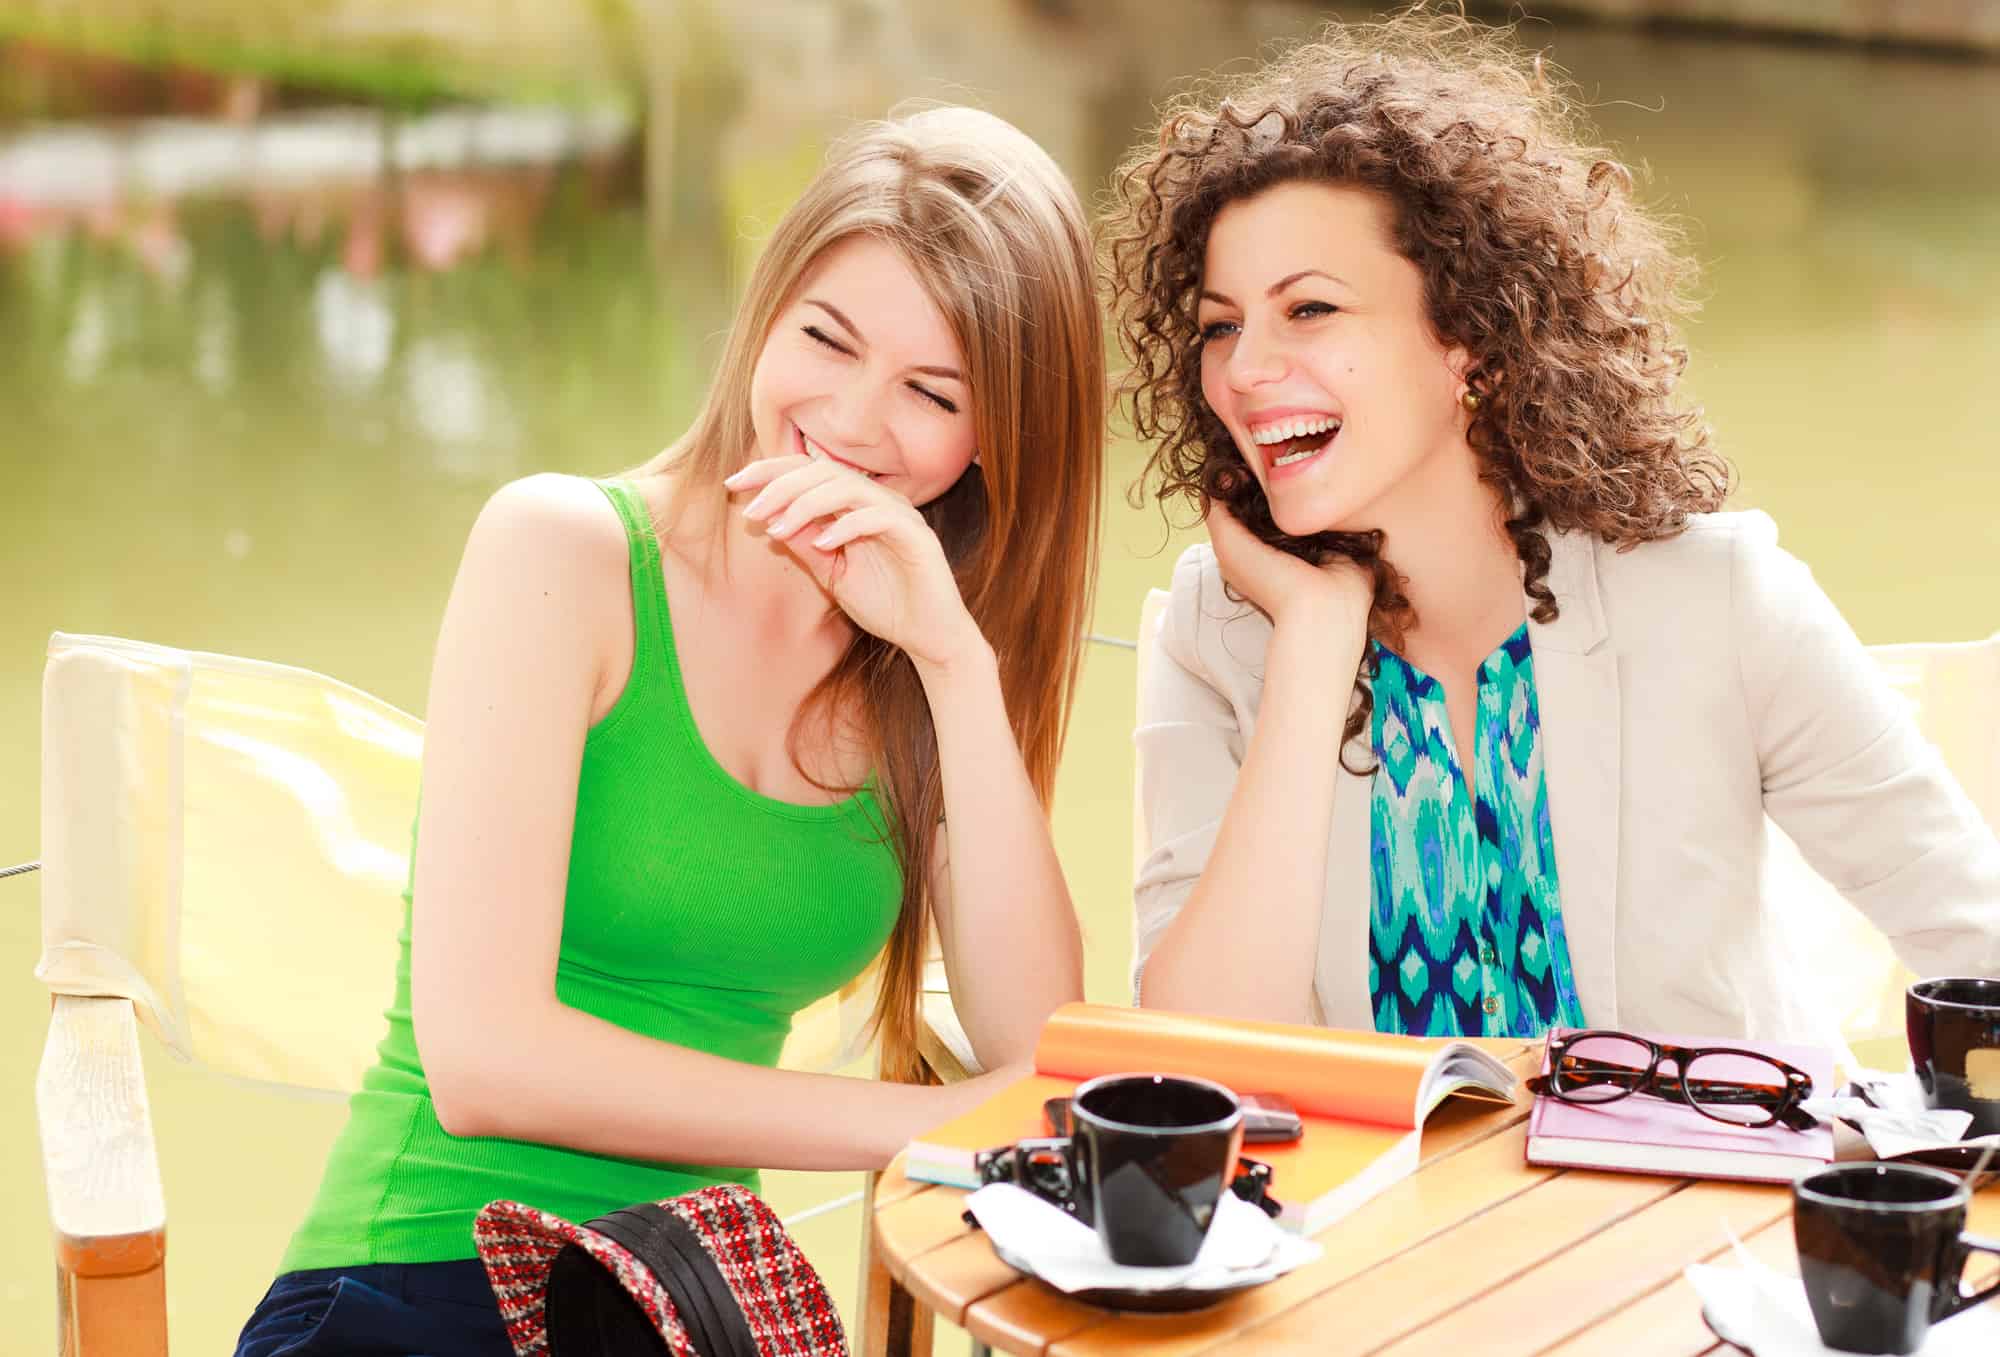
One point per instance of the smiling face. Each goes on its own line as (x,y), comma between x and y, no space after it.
(862,367)
(1319,358)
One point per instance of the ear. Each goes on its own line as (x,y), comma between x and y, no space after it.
(1459,362)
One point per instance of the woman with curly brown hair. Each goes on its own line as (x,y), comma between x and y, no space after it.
(1470,719)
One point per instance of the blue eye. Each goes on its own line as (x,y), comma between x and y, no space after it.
(1215,329)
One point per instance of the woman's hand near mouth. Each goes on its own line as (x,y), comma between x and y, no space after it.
(868,548)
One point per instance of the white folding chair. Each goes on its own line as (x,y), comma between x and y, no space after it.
(225,843)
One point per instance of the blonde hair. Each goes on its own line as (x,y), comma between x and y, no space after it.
(996,235)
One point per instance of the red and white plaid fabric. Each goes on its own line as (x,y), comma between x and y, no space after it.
(786,1305)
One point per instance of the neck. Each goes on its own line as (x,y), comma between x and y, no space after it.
(1445,533)
(743,569)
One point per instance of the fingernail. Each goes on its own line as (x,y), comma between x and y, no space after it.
(825,540)
(733,477)
(782,526)
(756,508)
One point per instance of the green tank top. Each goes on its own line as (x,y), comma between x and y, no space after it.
(697,912)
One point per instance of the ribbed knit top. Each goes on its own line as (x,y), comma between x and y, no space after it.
(697,912)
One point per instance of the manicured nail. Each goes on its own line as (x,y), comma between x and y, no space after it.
(781,526)
(756,508)
(825,540)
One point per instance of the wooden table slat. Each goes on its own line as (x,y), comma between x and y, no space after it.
(906,1230)
(1667,1322)
(957,1274)
(1383,1303)
(1027,1317)
(892,1184)
(1603,1272)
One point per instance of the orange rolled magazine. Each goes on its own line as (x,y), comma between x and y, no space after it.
(1363,1096)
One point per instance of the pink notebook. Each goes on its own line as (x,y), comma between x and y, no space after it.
(1643,1134)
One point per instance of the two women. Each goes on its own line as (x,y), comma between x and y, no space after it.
(1470,720)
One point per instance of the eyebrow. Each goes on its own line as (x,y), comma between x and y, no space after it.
(840,318)
(1279,286)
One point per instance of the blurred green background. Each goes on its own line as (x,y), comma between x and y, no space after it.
(251,400)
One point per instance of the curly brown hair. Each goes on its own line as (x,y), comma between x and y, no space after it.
(1535,258)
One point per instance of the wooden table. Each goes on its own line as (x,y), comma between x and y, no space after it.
(1478,1252)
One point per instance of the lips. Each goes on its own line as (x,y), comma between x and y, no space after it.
(807,447)
(1291,438)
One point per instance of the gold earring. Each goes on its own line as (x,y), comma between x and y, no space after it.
(1469,399)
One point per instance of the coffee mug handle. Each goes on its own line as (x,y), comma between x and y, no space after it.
(1955,1299)
(1047,1167)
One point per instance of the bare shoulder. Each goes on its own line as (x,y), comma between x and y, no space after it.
(564,520)
(547,559)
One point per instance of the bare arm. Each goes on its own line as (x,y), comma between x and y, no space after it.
(519,659)
(1011,943)
(1243,943)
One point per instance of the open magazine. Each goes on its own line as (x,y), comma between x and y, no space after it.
(1363,1096)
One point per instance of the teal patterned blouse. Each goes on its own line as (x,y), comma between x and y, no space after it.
(1466,934)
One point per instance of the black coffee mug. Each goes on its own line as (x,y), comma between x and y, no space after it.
(1954,1027)
(1881,1249)
(1147,1159)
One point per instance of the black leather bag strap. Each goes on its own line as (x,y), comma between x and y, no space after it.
(587,1313)
(668,1246)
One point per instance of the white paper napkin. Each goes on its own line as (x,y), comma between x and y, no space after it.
(1243,1245)
(1767,1312)
(1899,1123)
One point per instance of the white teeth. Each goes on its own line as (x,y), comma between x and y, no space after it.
(815,450)
(1289,429)
(1299,456)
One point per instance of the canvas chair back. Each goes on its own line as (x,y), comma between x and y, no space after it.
(226,843)
(1954,693)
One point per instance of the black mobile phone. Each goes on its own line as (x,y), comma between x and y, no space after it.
(1268,1118)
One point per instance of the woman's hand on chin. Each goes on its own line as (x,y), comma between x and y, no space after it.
(1283,586)
(869,549)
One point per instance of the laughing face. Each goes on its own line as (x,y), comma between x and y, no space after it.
(1318,357)
(862,367)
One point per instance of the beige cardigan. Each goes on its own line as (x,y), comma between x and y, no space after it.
(1689,689)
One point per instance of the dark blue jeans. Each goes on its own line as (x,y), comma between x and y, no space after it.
(380,1310)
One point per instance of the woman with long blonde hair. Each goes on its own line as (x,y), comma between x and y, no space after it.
(699,737)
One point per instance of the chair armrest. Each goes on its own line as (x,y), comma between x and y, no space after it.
(98,1158)
(942,1042)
